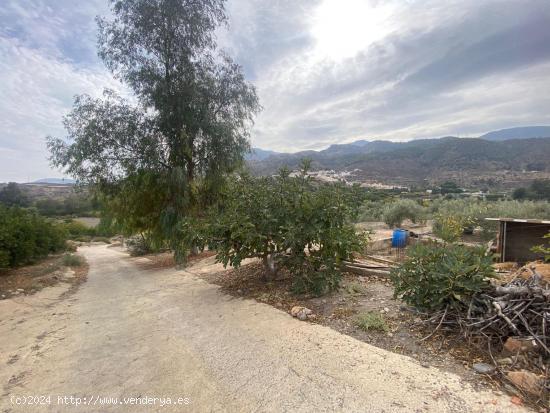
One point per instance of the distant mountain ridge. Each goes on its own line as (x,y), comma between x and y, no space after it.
(365,146)
(55,181)
(527,132)
(502,158)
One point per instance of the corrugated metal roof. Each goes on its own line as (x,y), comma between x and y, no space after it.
(528,221)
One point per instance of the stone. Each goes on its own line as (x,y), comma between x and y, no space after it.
(515,345)
(386,309)
(304,314)
(301,313)
(20,290)
(526,381)
(506,361)
(295,310)
(483,368)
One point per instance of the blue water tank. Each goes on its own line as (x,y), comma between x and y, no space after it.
(399,238)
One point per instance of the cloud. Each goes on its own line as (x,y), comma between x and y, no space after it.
(406,84)
(327,71)
(40,73)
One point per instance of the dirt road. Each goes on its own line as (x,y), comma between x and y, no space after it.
(129,332)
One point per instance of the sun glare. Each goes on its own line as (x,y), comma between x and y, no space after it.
(342,28)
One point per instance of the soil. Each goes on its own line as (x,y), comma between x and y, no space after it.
(339,309)
(166,260)
(30,279)
(134,333)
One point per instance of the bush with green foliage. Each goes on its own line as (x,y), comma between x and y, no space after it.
(539,189)
(77,229)
(450,187)
(371,321)
(371,211)
(544,248)
(472,213)
(435,276)
(80,232)
(451,227)
(13,195)
(26,236)
(77,204)
(291,222)
(139,245)
(396,212)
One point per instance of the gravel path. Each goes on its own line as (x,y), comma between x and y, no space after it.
(129,332)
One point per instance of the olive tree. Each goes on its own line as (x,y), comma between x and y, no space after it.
(163,159)
(396,212)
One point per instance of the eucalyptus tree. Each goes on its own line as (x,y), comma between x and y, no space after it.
(160,161)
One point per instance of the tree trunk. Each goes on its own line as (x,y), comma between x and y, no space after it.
(270,267)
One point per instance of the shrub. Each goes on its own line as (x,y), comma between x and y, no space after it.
(77,229)
(472,213)
(72,260)
(371,321)
(26,236)
(538,189)
(80,232)
(13,195)
(544,249)
(395,213)
(436,276)
(449,228)
(291,222)
(139,245)
(371,211)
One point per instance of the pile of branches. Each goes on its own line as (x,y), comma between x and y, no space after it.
(519,309)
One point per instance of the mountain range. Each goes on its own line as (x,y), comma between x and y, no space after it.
(55,181)
(503,158)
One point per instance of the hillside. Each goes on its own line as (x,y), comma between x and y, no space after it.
(55,181)
(470,161)
(518,133)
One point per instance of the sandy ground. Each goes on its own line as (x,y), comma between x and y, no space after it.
(132,332)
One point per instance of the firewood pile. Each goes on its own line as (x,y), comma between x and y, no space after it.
(511,320)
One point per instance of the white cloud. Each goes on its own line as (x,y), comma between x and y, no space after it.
(36,92)
(327,71)
(404,80)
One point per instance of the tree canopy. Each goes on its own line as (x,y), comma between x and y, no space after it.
(291,222)
(13,195)
(160,160)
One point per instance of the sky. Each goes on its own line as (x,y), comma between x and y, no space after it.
(326,71)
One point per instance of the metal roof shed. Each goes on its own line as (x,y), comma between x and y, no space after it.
(516,237)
